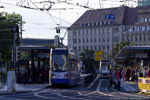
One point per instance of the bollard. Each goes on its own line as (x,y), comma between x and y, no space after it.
(11,81)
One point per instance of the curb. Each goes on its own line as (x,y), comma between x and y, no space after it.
(16,92)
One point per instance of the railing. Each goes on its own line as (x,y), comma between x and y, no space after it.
(144,84)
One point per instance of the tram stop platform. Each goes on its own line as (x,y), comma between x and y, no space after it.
(129,86)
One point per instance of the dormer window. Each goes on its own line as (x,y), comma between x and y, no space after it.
(86,24)
(94,23)
(82,25)
(145,19)
(90,24)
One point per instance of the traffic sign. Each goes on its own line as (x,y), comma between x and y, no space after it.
(98,55)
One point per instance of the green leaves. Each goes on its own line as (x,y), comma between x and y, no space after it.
(7,21)
(87,56)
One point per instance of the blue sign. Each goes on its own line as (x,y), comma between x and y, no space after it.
(109,16)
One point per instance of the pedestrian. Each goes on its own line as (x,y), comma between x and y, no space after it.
(145,72)
(136,74)
(112,79)
(118,79)
(132,74)
(148,73)
(123,73)
(128,74)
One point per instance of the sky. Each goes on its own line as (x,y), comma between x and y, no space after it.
(63,13)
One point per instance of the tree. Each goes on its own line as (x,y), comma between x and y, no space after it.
(87,56)
(118,46)
(7,21)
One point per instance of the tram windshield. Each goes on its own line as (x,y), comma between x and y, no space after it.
(105,68)
(59,63)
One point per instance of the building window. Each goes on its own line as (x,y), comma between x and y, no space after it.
(99,47)
(143,28)
(131,37)
(91,40)
(95,39)
(75,48)
(95,48)
(144,37)
(146,20)
(116,30)
(79,40)
(74,33)
(83,40)
(103,39)
(79,33)
(99,39)
(87,47)
(103,47)
(91,47)
(149,37)
(148,28)
(140,38)
(87,40)
(116,38)
(74,40)
(83,48)
(79,48)
(136,38)
(107,39)
(108,47)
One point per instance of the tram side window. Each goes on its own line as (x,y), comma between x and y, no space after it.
(72,65)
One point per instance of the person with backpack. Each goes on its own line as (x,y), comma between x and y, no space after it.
(112,79)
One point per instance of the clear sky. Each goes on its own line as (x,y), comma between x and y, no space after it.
(41,24)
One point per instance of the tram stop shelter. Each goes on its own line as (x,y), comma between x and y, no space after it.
(134,56)
(35,67)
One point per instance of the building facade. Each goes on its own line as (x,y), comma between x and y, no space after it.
(139,33)
(143,3)
(100,29)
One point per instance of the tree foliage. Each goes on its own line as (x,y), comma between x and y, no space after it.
(7,21)
(87,56)
(118,46)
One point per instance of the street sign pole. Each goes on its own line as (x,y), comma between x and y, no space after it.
(14,48)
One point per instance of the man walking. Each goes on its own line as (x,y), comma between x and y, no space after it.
(112,79)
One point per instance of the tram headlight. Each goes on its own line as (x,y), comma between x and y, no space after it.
(53,76)
(66,76)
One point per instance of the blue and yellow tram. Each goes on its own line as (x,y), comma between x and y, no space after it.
(63,67)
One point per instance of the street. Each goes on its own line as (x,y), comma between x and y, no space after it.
(96,91)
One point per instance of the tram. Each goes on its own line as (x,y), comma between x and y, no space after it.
(104,68)
(63,68)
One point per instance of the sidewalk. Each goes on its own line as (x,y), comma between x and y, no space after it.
(129,86)
(23,88)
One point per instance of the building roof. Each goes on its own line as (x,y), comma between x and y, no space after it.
(30,47)
(123,16)
(34,41)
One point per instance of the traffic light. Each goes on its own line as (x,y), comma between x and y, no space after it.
(15,29)
(18,54)
(57,30)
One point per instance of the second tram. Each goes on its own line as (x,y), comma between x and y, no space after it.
(104,68)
